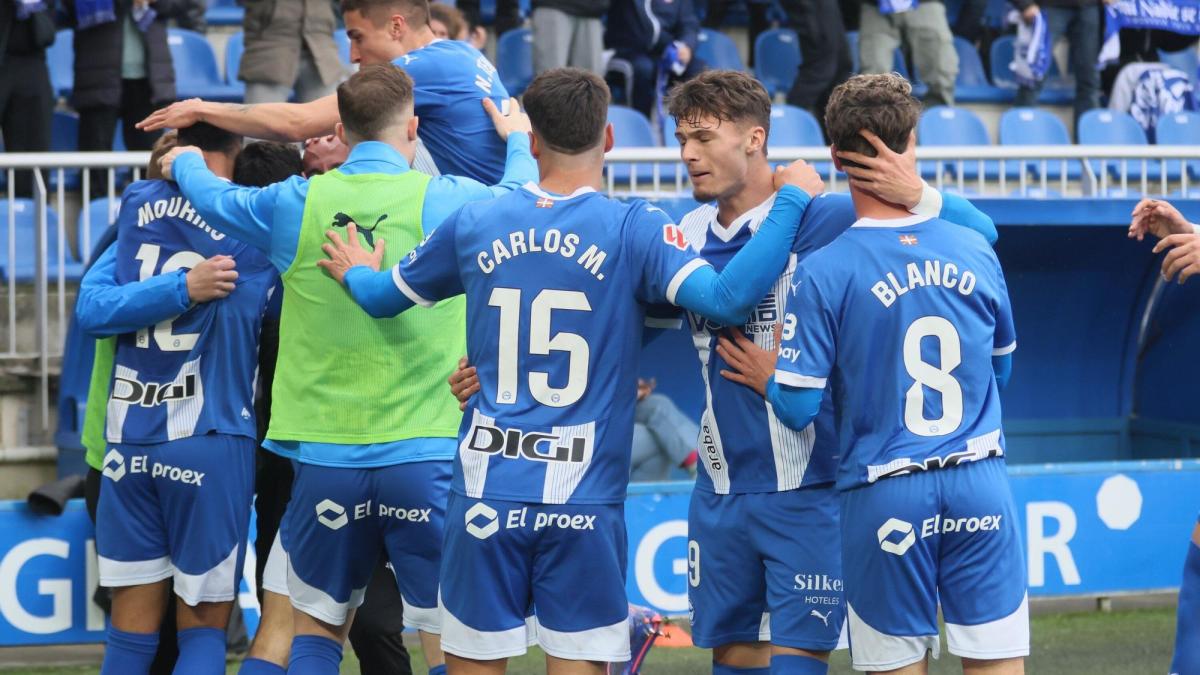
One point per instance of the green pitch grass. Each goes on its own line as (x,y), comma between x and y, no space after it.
(1119,643)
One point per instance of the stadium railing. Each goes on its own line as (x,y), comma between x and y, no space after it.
(63,230)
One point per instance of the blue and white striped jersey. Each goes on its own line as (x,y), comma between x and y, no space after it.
(742,446)
(193,374)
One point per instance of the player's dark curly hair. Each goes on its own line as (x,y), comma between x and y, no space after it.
(726,95)
(568,109)
(881,104)
(209,138)
(263,163)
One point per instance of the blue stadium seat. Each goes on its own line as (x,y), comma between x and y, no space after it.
(1182,128)
(776,59)
(60,58)
(1186,60)
(196,72)
(233,56)
(343,45)
(1054,93)
(1031,126)
(631,129)
(102,213)
(718,50)
(943,125)
(514,59)
(25,222)
(792,126)
(1113,127)
(972,85)
(64,137)
(852,40)
(224,13)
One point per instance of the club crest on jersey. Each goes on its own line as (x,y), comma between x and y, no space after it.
(675,237)
(342,220)
(150,394)
(537,446)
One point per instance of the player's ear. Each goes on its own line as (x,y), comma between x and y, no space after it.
(397,26)
(412,128)
(837,161)
(340,132)
(757,141)
(608,137)
(535,146)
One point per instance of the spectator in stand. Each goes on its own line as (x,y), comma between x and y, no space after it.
(447,23)
(193,16)
(757,11)
(825,53)
(658,39)
(663,437)
(26,98)
(123,70)
(289,45)
(568,33)
(508,15)
(922,30)
(1080,21)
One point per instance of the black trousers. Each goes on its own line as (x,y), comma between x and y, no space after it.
(98,125)
(757,10)
(377,634)
(823,50)
(26,106)
(168,642)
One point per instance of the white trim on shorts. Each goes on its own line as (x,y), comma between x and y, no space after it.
(461,640)
(1004,638)
(873,651)
(218,584)
(275,571)
(764,627)
(426,619)
(606,643)
(319,604)
(119,573)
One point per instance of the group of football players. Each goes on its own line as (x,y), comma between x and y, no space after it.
(852,348)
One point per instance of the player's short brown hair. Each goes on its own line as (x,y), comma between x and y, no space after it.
(881,104)
(373,99)
(415,12)
(568,109)
(727,95)
(162,146)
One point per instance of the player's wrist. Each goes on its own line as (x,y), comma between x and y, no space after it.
(928,202)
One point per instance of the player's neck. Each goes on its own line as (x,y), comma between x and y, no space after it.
(416,39)
(564,174)
(756,190)
(867,205)
(220,164)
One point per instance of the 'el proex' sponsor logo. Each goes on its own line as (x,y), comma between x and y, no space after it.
(333,515)
(483,521)
(115,467)
(897,536)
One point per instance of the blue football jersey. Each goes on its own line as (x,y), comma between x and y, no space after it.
(556,289)
(193,374)
(902,318)
(742,446)
(451,79)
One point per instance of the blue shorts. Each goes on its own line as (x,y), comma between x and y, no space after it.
(178,509)
(339,521)
(766,567)
(514,574)
(949,534)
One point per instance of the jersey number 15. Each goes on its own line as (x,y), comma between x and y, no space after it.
(541,343)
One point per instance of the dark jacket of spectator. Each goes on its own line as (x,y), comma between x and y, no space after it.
(276,33)
(29,37)
(98,56)
(1022,4)
(648,26)
(583,8)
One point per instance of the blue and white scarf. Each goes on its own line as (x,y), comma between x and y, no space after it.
(1159,93)
(1031,51)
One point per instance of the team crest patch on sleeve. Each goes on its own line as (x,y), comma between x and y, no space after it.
(675,237)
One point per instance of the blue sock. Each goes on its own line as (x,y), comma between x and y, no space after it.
(722,669)
(201,652)
(314,655)
(795,664)
(438,670)
(1187,647)
(128,653)
(254,666)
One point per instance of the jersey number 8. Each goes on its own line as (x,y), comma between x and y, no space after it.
(936,378)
